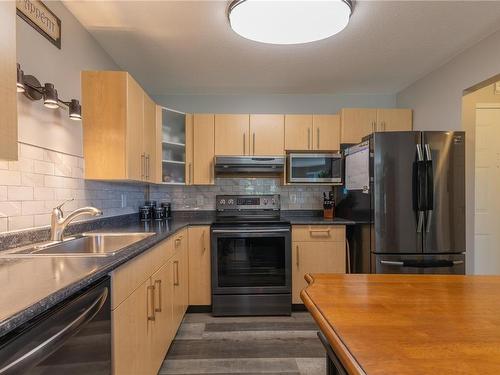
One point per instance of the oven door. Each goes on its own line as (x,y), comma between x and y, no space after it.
(319,168)
(251,260)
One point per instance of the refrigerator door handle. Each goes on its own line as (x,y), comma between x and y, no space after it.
(423,264)
(430,186)
(420,222)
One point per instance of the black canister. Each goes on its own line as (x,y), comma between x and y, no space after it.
(145,213)
(166,208)
(158,213)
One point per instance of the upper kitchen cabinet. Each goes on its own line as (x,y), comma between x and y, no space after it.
(203,149)
(394,119)
(174,143)
(119,121)
(232,135)
(357,123)
(267,135)
(326,132)
(298,129)
(312,132)
(8,96)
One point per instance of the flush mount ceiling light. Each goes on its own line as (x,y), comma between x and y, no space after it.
(288,22)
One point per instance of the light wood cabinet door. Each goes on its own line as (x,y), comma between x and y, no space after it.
(394,119)
(357,123)
(267,135)
(163,330)
(203,149)
(231,134)
(132,333)
(298,132)
(150,141)
(8,95)
(315,257)
(189,148)
(136,157)
(200,292)
(326,132)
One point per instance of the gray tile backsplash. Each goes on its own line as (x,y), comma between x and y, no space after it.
(203,197)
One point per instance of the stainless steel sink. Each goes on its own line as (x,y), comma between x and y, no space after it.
(91,244)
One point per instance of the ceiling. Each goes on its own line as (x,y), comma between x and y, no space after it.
(187,47)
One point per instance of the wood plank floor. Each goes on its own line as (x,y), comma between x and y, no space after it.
(246,345)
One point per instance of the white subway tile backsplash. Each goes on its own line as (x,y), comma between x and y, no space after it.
(10,177)
(20,193)
(43,193)
(20,222)
(3,224)
(33,207)
(43,167)
(62,170)
(22,165)
(31,152)
(10,209)
(3,193)
(41,220)
(31,179)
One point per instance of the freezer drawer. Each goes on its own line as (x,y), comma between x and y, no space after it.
(450,264)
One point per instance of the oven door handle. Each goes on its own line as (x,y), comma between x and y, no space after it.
(229,231)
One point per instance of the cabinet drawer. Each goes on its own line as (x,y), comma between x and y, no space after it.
(132,274)
(318,233)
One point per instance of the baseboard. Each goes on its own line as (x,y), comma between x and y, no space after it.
(298,307)
(199,309)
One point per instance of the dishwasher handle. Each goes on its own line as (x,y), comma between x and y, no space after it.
(39,341)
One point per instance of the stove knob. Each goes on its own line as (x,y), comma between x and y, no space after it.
(273,201)
(265,201)
(222,201)
(230,201)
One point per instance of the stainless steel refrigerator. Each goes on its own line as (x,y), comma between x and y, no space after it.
(414,184)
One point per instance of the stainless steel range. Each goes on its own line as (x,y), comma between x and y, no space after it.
(251,257)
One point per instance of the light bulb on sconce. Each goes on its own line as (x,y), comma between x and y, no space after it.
(50,99)
(75,110)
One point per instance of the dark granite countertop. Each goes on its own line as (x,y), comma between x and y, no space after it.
(32,285)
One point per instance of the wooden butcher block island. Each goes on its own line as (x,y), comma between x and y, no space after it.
(407,324)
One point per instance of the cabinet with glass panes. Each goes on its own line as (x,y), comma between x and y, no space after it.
(173,146)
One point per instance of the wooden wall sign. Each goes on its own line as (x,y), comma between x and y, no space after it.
(41,18)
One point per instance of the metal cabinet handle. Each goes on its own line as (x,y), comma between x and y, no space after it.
(151,302)
(244,143)
(143,159)
(158,282)
(147,166)
(176,273)
(317,133)
(253,135)
(308,138)
(203,242)
(189,174)
(312,231)
(297,254)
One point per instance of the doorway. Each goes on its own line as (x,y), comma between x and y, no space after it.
(487,183)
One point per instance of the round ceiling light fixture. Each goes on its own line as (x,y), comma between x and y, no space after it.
(288,21)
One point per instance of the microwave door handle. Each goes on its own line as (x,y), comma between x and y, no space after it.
(35,355)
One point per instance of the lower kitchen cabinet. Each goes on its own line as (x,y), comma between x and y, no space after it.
(200,292)
(151,298)
(318,249)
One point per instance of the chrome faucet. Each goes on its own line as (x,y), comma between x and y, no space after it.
(58,222)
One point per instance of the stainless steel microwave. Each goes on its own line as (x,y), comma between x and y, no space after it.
(314,168)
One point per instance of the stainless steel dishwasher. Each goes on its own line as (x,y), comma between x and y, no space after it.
(73,337)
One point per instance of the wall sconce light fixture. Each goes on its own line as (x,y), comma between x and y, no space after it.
(33,90)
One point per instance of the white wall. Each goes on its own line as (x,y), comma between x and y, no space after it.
(438,104)
(437,98)
(266,103)
(38,125)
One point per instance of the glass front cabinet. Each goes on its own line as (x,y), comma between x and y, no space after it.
(173,147)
